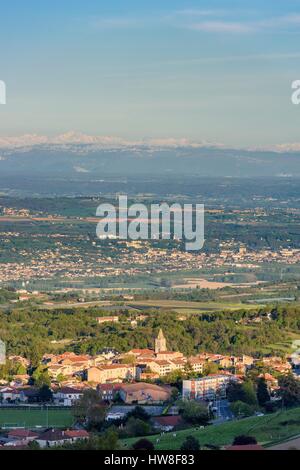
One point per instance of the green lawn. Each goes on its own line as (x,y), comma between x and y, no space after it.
(269,428)
(35,417)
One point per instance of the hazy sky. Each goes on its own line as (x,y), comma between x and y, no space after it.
(206,70)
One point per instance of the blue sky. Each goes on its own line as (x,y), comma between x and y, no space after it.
(205,70)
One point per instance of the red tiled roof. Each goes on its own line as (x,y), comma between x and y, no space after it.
(81,433)
(168,420)
(22,433)
(69,390)
(103,387)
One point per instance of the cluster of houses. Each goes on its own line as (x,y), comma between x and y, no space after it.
(129,374)
(21,438)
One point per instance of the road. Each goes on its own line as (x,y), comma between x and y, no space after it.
(224,413)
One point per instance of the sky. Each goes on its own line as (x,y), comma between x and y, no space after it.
(217,71)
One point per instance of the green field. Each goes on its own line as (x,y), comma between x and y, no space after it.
(267,429)
(32,417)
(182,306)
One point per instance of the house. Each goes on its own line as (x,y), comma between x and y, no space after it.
(196,364)
(225,362)
(20,359)
(115,415)
(148,376)
(112,319)
(167,423)
(30,395)
(141,352)
(144,393)
(271,381)
(10,394)
(111,373)
(108,392)
(20,379)
(169,355)
(56,437)
(277,364)
(23,435)
(67,396)
(74,435)
(161,367)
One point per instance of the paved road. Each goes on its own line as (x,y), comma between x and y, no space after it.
(288,445)
(224,413)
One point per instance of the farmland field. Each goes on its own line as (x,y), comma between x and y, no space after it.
(190,307)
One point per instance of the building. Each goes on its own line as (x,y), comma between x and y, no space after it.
(160,343)
(56,437)
(140,352)
(108,392)
(196,364)
(206,388)
(67,396)
(166,423)
(143,393)
(111,373)
(112,319)
(169,355)
(24,435)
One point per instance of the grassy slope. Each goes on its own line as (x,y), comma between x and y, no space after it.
(266,429)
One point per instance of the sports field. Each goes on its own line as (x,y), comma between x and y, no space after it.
(32,417)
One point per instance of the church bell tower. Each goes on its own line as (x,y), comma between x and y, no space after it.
(160,343)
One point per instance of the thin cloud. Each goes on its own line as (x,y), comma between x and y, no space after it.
(207,21)
(221,27)
(99,23)
(218,22)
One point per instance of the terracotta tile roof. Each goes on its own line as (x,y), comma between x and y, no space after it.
(22,433)
(69,390)
(173,420)
(81,433)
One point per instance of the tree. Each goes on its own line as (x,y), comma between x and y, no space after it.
(33,445)
(143,444)
(242,409)
(41,377)
(211,368)
(234,391)
(136,427)
(45,394)
(248,393)
(140,413)
(289,390)
(262,392)
(60,378)
(244,440)
(191,444)
(194,412)
(89,410)
(106,441)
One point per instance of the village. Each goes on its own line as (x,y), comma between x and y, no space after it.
(123,381)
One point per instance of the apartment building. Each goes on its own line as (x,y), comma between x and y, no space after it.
(206,388)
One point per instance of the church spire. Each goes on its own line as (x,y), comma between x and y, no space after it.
(160,342)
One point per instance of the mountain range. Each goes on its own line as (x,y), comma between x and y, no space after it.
(82,156)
